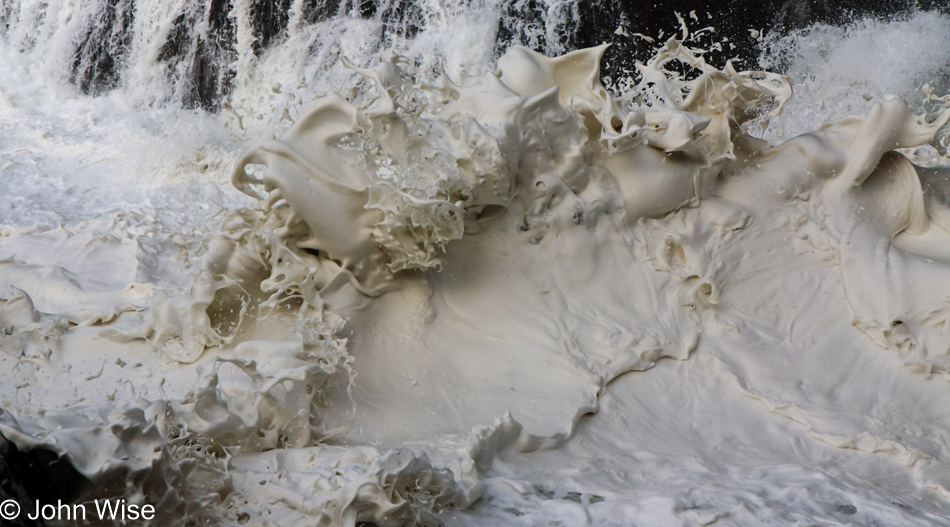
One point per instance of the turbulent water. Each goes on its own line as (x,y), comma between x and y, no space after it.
(419,264)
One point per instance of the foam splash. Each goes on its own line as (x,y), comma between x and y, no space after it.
(491,255)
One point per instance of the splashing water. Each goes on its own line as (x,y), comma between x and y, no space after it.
(841,71)
(445,290)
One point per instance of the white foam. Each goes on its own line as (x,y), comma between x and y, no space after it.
(843,70)
(444,276)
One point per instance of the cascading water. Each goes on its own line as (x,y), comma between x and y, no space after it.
(384,262)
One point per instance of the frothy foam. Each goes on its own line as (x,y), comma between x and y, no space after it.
(444,273)
(841,71)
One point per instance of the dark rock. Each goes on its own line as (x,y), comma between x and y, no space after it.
(269,19)
(206,78)
(99,57)
(402,18)
(11,487)
(319,10)
(598,19)
(38,474)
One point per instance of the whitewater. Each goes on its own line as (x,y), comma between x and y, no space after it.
(406,268)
